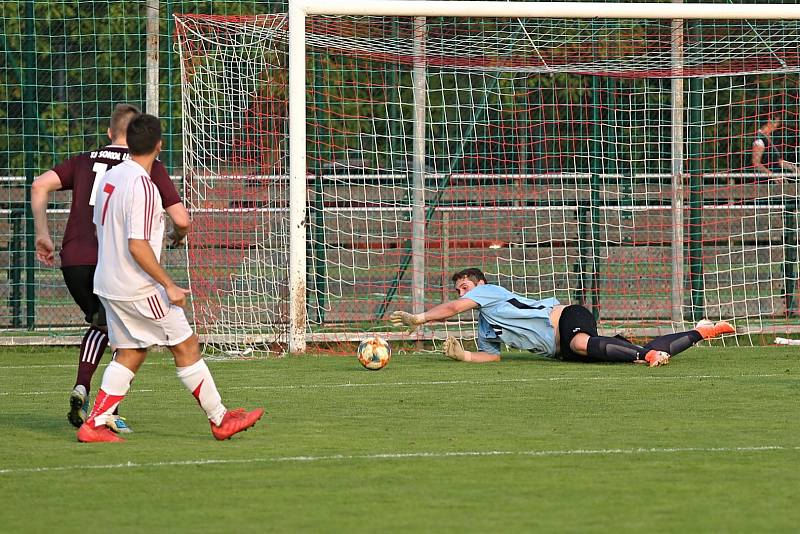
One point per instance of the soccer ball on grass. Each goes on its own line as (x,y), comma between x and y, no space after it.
(374,353)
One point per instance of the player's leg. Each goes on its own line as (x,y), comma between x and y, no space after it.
(196,376)
(80,282)
(615,349)
(116,423)
(675,343)
(709,329)
(117,378)
(680,341)
(580,341)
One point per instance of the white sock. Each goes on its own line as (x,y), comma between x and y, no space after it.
(116,383)
(198,380)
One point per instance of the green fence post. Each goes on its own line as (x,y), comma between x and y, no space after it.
(582,213)
(790,253)
(695,169)
(15,244)
(29,120)
(596,167)
(317,272)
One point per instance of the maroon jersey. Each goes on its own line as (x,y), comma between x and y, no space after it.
(81,174)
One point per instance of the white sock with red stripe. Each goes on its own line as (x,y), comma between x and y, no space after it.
(197,379)
(116,383)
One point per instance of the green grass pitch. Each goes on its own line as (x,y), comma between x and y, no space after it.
(710,443)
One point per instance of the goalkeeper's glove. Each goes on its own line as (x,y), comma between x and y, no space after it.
(452,349)
(401,318)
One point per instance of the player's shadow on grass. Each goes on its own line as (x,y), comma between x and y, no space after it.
(43,424)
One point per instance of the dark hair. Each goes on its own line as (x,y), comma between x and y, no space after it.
(120,118)
(475,275)
(144,133)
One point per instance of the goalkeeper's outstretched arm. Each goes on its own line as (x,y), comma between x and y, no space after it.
(452,347)
(439,312)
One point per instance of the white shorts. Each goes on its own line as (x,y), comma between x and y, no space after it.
(138,324)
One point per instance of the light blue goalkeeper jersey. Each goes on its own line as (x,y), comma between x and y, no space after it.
(517,321)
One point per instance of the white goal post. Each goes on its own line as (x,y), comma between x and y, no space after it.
(300,9)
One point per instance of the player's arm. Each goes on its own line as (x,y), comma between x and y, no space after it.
(447,310)
(437,313)
(140,204)
(40,194)
(143,255)
(454,350)
(758,154)
(181,223)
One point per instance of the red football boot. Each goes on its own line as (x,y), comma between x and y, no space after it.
(708,329)
(88,433)
(234,422)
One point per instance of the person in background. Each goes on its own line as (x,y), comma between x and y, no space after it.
(766,157)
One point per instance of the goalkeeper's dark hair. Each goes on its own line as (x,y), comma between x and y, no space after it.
(144,133)
(473,274)
(120,119)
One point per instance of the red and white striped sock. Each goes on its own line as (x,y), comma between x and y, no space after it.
(197,379)
(116,382)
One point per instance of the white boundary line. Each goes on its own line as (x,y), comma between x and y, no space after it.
(445,383)
(402,456)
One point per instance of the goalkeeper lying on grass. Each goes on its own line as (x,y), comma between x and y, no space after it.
(544,327)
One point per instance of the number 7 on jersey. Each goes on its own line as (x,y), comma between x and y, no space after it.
(108,188)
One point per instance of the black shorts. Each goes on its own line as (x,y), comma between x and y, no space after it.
(574,320)
(80,282)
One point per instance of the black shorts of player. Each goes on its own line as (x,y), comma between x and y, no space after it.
(574,320)
(80,282)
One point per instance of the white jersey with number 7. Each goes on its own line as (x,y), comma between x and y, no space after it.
(128,206)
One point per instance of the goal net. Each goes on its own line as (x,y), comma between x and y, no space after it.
(607,162)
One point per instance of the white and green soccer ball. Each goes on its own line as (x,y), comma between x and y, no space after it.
(374,353)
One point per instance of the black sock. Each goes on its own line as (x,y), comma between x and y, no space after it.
(675,343)
(612,349)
